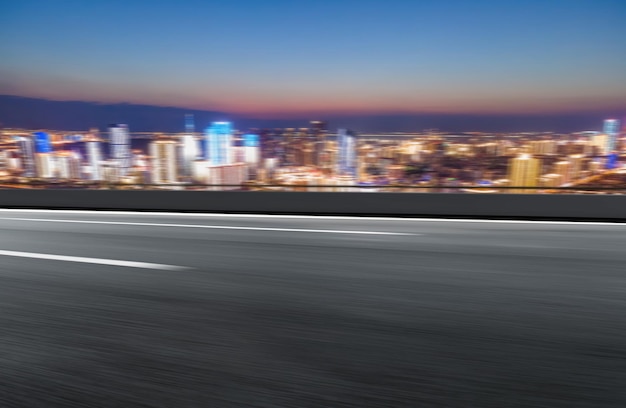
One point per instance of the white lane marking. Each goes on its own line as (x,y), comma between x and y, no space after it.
(307,217)
(100,261)
(223,227)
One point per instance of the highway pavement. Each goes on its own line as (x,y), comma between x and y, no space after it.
(104,309)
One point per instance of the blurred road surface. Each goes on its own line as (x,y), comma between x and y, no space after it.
(165,310)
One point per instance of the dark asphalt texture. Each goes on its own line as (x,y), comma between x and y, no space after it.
(463,315)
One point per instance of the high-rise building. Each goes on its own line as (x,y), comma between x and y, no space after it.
(611,129)
(42,142)
(218,143)
(188,149)
(163,154)
(524,171)
(119,140)
(564,169)
(319,131)
(45,164)
(251,150)
(27,154)
(94,156)
(67,166)
(601,142)
(347,158)
(188,152)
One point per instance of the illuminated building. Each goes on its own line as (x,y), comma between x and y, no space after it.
(577,163)
(459,150)
(67,166)
(346,160)
(231,176)
(111,171)
(611,161)
(27,154)
(270,167)
(200,171)
(543,147)
(611,129)
(163,154)
(600,141)
(94,156)
(218,142)
(524,171)
(188,151)
(119,139)
(319,130)
(45,165)
(564,169)
(42,142)
(251,152)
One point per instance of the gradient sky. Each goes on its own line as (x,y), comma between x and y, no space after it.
(274,58)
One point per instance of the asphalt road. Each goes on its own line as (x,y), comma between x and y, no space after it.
(243,311)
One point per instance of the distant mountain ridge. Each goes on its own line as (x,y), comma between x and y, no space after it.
(36,113)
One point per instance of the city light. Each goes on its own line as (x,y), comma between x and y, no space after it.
(313,159)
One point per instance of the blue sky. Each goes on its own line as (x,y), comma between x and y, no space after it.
(279,57)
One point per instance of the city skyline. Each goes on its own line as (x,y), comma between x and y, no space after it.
(285,60)
(223,156)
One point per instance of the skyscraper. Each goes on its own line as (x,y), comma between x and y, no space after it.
(524,171)
(27,154)
(611,129)
(251,147)
(68,166)
(163,154)
(347,159)
(119,140)
(218,143)
(188,151)
(45,164)
(94,156)
(319,130)
(42,142)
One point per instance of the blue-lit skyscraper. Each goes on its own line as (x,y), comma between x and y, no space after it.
(42,142)
(218,143)
(611,130)
(251,140)
(347,158)
(119,139)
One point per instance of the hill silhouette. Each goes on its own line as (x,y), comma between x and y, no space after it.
(35,113)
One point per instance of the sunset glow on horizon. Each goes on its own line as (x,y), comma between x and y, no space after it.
(278,58)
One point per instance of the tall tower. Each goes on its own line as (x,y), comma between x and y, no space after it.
(163,154)
(119,139)
(94,156)
(42,142)
(524,171)
(319,130)
(188,151)
(27,152)
(218,143)
(346,160)
(611,129)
